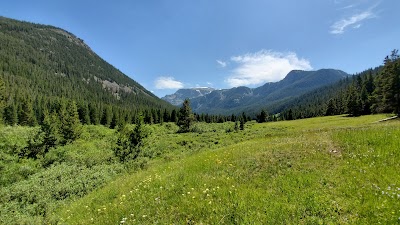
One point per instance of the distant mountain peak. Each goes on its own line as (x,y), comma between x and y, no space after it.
(180,95)
(269,95)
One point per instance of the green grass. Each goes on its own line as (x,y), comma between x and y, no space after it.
(330,170)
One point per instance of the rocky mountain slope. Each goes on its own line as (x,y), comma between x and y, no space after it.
(271,95)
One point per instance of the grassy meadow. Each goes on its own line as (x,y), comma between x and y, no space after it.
(328,170)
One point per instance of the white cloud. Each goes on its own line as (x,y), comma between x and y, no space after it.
(221,63)
(354,21)
(264,66)
(167,83)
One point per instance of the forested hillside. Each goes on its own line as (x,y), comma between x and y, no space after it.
(43,67)
(371,91)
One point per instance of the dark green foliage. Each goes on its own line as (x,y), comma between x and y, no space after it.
(386,95)
(26,116)
(10,114)
(354,105)
(174,117)
(83,111)
(186,117)
(130,143)
(51,131)
(49,136)
(114,121)
(242,122)
(262,117)
(2,97)
(236,126)
(331,108)
(106,117)
(94,114)
(70,123)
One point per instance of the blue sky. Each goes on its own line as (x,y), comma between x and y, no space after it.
(169,44)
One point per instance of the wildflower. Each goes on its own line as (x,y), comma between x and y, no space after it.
(144,216)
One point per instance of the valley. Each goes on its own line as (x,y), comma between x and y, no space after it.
(83,143)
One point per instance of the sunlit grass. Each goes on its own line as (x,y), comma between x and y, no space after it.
(322,170)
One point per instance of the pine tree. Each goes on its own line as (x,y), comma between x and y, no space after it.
(51,130)
(330,109)
(10,114)
(354,105)
(2,98)
(94,114)
(25,113)
(186,118)
(262,117)
(83,111)
(114,121)
(166,116)
(70,124)
(174,117)
(129,145)
(386,96)
(106,116)
(242,122)
(236,126)
(290,115)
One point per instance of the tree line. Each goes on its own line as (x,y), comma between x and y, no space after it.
(372,91)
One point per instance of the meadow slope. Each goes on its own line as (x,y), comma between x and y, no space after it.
(329,170)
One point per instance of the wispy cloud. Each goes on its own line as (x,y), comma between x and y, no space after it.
(167,83)
(349,6)
(353,21)
(222,63)
(264,66)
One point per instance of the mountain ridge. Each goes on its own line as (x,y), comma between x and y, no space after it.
(179,96)
(237,99)
(42,61)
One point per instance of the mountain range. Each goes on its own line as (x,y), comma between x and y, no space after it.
(273,96)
